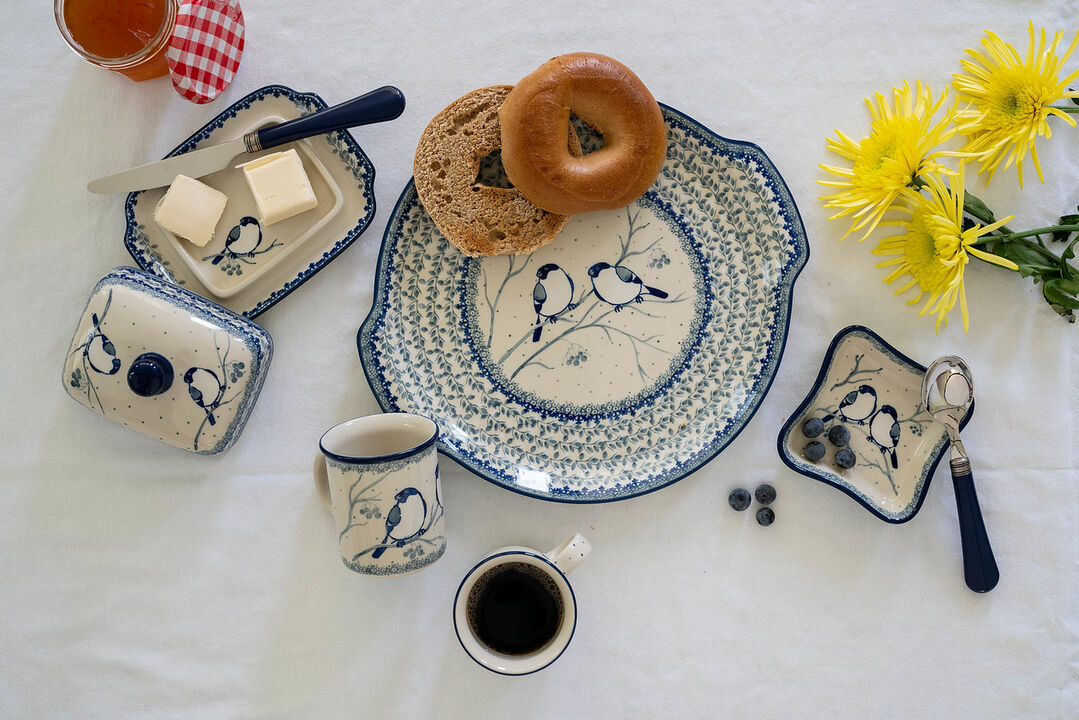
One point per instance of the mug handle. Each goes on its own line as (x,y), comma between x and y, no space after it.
(322,482)
(569,554)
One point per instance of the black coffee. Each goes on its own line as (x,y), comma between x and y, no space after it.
(515,609)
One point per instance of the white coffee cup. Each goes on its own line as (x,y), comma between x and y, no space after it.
(378,477)
(550,570)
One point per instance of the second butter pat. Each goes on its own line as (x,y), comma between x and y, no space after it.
(280,186)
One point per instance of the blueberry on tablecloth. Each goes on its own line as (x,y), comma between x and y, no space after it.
(765,494)
(739,499)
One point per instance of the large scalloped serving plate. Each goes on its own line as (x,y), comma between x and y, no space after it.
(250,280)
(614,361)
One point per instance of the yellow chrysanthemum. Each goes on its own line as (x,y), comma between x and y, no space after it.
(934,249)
(899,148)
(1010,99)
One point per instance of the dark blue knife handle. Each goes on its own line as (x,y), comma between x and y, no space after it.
(979,566)
(385,103)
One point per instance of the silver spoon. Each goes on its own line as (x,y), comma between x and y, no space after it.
(947,392)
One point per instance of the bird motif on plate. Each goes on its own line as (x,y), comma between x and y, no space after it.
(551,296)
(243,241)
(619,286)
(858,405)
(884,431)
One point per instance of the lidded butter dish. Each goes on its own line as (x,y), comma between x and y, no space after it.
(165,362)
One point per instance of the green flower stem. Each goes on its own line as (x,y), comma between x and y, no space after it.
(973,206)
(1008,237)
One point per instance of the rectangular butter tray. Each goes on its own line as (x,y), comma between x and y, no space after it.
(248,268)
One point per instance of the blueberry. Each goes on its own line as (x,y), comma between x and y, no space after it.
(844,458)
(765,494)
(812,427)
(766,516)
(839,435)
(739,499)
(814,451)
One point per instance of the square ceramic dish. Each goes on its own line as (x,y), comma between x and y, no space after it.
(248,268)
(873,390)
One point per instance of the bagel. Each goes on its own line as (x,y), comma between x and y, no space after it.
(606,95)
(478,219)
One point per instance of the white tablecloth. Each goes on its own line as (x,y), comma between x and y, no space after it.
(140,581)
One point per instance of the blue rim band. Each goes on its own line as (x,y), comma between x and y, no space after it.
(375,459)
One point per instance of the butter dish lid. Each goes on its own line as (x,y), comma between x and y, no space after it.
(166,362)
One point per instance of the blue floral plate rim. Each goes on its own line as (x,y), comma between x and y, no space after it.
(312,100)
(796,415)
(785,294)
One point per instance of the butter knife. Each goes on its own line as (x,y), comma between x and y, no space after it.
(385,103)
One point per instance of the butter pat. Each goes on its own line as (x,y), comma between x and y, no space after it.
(191,210)
(280,186)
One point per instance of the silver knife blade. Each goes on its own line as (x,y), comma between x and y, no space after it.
(194,164)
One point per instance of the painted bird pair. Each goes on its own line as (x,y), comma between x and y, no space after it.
(615,285)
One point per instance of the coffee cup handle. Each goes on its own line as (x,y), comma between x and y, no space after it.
(322,482)
(569,554)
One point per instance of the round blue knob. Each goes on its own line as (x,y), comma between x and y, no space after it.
(149,374)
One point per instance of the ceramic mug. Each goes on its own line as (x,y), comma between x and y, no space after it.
(378,477)
(515,611)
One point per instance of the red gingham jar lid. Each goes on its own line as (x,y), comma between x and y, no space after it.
(205,49)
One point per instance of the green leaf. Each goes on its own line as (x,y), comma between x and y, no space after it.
(1062,235)
(978,209)
(1055,295)
(1030,261)
(1070,286)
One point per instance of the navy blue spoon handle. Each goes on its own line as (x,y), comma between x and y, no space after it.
(979,565)
(385,103)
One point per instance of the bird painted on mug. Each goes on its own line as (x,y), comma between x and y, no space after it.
(404,521)
(99,351)
(552,296)
(617,285)
(884,432)
(205,389)
(858,405)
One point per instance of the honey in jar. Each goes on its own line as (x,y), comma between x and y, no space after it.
(127,36)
